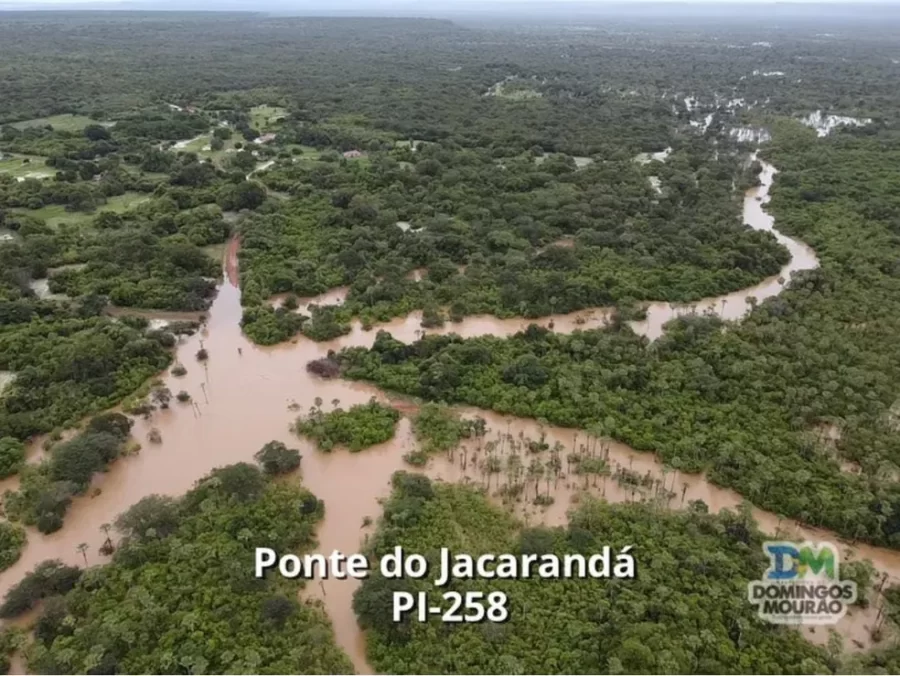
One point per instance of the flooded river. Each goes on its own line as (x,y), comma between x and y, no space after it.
(247,395)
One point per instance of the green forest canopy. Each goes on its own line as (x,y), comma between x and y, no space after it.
(179,593)
(685,612)
(743,403)
(497,217)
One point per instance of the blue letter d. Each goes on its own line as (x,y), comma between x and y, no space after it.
(784,559)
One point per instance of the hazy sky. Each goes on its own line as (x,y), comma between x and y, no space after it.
(403,7)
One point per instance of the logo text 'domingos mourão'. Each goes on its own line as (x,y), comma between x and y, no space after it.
(802,584)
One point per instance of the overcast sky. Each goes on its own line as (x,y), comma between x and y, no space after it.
(402,7)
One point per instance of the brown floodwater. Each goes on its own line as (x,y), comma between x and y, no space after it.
(246,395)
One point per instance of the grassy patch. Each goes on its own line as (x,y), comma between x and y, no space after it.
(198,144)
(56,214)
(265,117)
(218,156)
(18,167)
(65,122)
(194,145)
(306,151)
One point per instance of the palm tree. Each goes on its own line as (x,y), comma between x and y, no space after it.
(535,472)
(82,549)
(555,464)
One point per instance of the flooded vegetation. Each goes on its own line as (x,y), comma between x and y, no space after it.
(824,123)
(750,134)
(519,290)
(646,158)
(275,383)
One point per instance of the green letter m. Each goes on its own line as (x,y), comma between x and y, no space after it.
(811,561)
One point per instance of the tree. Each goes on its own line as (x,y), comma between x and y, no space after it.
(361,426)
(243,160)
(115,424)
(107,548)
(276,458)
(241,482)
(244,195)
(153,517)
(77,460)
(12,541)
(82,549)
(51,622)
(96,132)
(12,455)
(373,603)
(48,578)
(278,610)
(161,396)
(535,472)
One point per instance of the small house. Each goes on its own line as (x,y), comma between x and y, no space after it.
(352,154)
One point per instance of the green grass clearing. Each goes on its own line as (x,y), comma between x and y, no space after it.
(55,214)
(305,150)
(19,168)
(264,117)
(193,145)
(198,144)
(218,157)
(409,143)
(307,153)
(201,146)
(66,122)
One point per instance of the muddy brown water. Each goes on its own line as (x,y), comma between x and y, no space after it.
(245,399)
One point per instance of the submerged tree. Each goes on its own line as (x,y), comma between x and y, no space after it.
(276,458)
